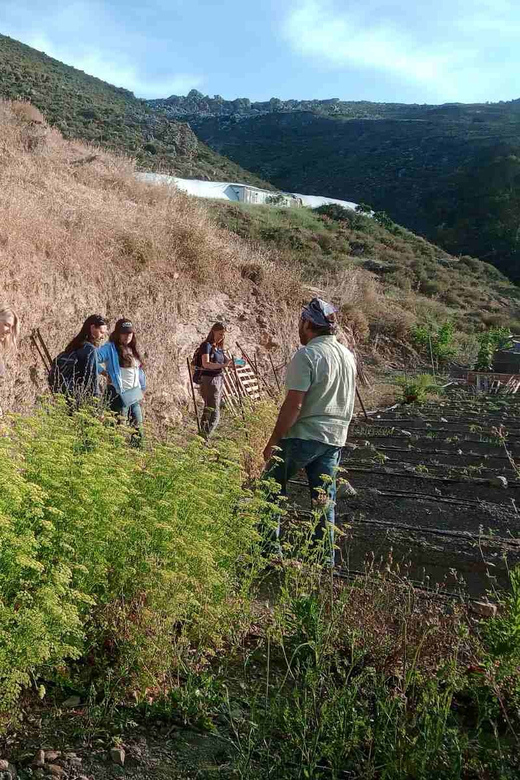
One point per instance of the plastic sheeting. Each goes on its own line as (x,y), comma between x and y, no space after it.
(231,190)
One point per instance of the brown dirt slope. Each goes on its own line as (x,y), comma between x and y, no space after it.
(78,235)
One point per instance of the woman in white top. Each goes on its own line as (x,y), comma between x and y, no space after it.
(125,371)
(9,332)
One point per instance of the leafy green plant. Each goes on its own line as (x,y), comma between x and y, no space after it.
(435,341)
(415,389)
(489,342)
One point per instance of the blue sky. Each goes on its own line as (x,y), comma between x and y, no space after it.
(385,50)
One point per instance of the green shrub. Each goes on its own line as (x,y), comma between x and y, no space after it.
(489,342)
(435,341)
(416,389)
(113,549)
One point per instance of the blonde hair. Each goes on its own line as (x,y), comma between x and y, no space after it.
(11,342)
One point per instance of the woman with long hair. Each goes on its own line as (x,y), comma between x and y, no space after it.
(9,332)
(75,371)
(212,363)
(127,381)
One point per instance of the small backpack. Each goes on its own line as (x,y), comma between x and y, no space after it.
(196,364)
(63,373)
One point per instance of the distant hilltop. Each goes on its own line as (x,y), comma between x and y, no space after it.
(204,105)
(196,104)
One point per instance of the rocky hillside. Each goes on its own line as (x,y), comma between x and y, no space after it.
(84,107)
(199,105)
(450,172)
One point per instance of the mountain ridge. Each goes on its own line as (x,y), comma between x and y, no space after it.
(449,172)
(196,102)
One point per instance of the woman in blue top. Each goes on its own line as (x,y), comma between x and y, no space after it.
(127,381)
(213,362)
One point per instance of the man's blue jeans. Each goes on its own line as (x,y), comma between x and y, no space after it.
(318,460)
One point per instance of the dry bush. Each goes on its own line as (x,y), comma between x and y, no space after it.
(400,626)
(366,307)
(32,126)
(357,322)
(27,112)
(77,239)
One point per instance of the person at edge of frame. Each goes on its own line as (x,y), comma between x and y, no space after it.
(213,363)
(9,332)
(313,422)
(126,377)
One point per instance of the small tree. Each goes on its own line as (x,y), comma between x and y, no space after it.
(435,341)
(489,342)
(363,208)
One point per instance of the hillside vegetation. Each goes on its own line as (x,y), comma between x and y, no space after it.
(84,107)
(451,173)
(386,278)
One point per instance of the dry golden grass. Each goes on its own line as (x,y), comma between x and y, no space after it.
(78,235)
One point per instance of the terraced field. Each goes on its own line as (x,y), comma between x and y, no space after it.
(437,494)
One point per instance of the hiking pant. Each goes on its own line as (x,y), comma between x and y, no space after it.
(319,460)
(211,392)
(133,414)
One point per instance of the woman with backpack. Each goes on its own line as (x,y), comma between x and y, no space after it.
(9,331)
(75,371)
(127,381)
(211,363)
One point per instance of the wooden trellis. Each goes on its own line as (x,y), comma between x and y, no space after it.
(240,383)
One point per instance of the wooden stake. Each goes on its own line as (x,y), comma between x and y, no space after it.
(193,396)
(237,383)
(274,372)
(431,354)
(362,404)
(44,346)
(38,348)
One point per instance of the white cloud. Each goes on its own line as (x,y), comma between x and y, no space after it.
(118,72)
(443,49)
(120,56)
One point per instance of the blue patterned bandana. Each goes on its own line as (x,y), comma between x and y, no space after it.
(321,314)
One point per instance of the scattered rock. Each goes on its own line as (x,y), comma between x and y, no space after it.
(39,758)
(118,756)
(51,756)
(72,701)
(484,608)
(498,482)
(345,489)
(406,433)
(56,770)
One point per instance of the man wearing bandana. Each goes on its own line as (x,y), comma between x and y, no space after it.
(313,423)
